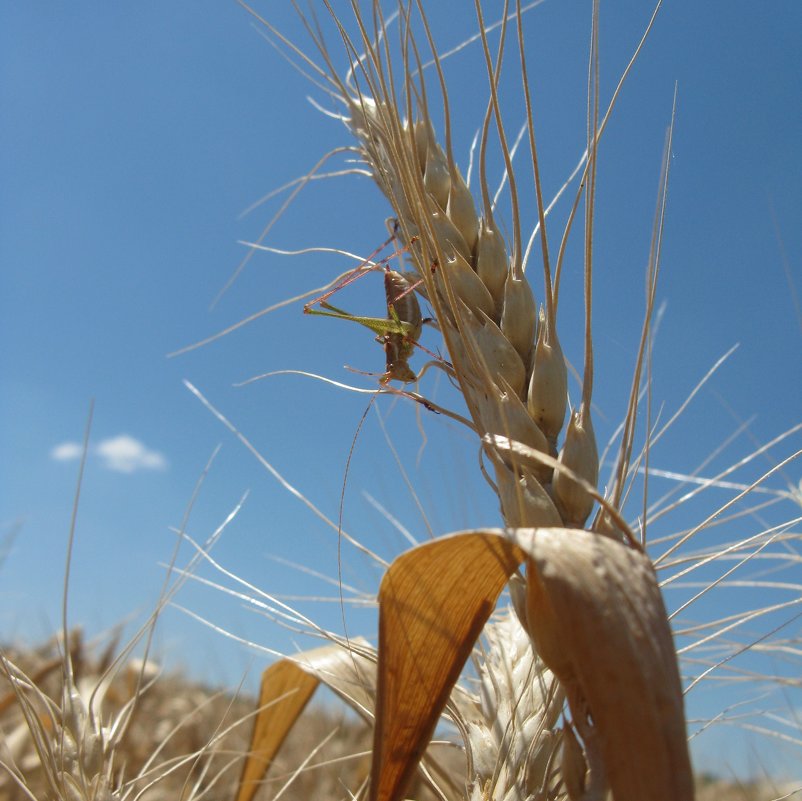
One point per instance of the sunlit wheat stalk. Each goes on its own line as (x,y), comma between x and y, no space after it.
(598,631)
(590,627)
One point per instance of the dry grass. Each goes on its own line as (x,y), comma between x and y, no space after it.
(100,732)
(176,718)
(182,739)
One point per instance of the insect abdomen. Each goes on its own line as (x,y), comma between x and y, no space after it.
(402,304)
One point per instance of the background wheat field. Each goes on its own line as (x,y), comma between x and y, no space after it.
(140,146)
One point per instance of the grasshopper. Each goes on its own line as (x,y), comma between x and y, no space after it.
(398,332)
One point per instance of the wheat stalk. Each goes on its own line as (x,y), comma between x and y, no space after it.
(513,376)
(617,668)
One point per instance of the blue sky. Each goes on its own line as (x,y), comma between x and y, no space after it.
(133,139)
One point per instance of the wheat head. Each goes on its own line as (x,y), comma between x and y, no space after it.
(505,355)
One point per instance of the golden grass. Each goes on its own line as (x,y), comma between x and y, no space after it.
(334,748)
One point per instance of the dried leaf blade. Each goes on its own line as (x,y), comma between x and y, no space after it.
(597,616)
(285,691)
(286,688)
(433,603)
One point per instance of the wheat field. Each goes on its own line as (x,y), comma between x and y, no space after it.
(568,648)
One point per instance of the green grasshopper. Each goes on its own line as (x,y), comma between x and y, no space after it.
(398,332)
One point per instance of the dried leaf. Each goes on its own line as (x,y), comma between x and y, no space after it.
(595,611)
(286,688)
(433,603)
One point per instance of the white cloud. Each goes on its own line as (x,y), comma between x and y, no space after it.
(125,454)
(66,452)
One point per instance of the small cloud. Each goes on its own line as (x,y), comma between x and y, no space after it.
(125,454)
(66,452)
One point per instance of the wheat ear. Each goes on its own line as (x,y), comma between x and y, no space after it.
(505,354)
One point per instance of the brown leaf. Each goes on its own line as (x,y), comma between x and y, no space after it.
(595,610)
(433,603)
(286,690)
(288,685)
